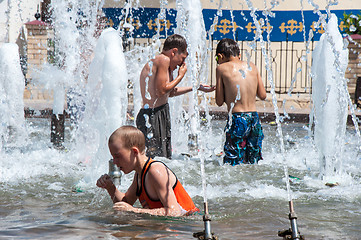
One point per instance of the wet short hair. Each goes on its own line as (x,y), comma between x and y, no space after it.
(175,41)
(228,47)
(130,137)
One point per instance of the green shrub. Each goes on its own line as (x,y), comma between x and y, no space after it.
(352,23)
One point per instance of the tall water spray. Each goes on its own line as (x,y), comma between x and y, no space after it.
(91,76)
(12,84)
(330,60)
(107,99)
(139,55)
(77,19)
(190,24)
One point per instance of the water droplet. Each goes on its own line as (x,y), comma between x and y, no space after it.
(354,16)
(243,75)
(147,124)
(147,96)
(345,43)
(352,28)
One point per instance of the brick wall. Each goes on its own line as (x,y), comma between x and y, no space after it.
(37,55)
(354,65)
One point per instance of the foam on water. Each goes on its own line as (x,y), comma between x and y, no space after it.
(34,165)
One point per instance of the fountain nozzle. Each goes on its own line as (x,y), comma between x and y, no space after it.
(292,233)
(207,226)
(114,173)
(206,234)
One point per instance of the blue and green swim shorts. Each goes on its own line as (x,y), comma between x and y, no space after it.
(244,137)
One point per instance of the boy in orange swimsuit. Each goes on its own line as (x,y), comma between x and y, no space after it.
(154,184)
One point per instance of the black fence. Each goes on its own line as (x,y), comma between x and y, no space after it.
(289,61)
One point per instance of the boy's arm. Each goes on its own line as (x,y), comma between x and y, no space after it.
(179,91)
(162,83)
(182,90)
(219,87)
(159,177)
(130,197)
(261,91)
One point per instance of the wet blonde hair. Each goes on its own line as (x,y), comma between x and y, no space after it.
(130,137)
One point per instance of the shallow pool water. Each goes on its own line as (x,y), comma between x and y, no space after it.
(48,193)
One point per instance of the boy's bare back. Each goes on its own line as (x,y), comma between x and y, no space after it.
(240,83)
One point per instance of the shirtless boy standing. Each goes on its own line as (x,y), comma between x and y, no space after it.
(157,85)
(238,85)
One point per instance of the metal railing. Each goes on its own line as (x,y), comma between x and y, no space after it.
(290,63)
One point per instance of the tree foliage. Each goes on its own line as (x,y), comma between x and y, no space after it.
(352,23)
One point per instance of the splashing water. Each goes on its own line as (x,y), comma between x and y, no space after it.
(190,24)
(330,99)
(11,102)
(37,180)
(107,80)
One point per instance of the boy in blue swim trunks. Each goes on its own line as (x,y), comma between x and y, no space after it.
(238,85)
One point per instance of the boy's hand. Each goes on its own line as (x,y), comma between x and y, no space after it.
(123,206)
(206,88)
(105,181)
(182,70)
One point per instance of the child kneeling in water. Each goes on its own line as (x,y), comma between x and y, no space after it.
(154,184)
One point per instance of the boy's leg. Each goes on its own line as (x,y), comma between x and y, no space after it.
(254,141)
(235,145)
(234,150)
(155,125)
(162,131)
(145,124)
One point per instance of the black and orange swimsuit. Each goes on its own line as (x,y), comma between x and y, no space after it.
(184,200)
